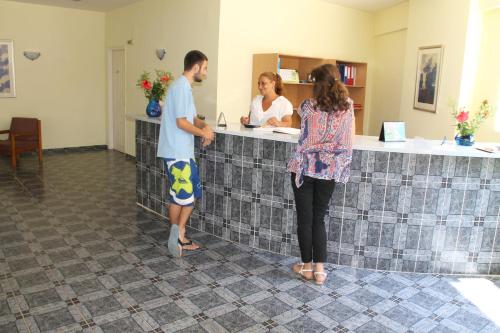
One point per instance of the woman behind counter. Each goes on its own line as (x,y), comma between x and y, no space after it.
(269,108)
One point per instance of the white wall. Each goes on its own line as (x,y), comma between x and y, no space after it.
(300,27)
(177,26)
(65,87)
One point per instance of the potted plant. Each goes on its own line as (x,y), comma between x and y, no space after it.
(466,125)
(154,90)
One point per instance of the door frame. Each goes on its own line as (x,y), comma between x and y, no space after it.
(111,140)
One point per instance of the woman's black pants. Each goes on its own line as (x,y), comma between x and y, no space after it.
(311,202)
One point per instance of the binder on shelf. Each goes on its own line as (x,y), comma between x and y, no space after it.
(357,106)
(347,74)
(340,72)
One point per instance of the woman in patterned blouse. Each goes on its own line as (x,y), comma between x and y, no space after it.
(323,157)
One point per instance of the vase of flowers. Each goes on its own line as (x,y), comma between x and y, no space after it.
(154,90)
(466,125)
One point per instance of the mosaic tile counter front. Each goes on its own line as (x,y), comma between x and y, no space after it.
(399,212)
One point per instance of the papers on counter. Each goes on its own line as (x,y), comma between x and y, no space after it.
(283,130)
(264,129)
(287,130)
(489,149)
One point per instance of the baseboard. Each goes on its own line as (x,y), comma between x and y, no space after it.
(74,149)
(129,157)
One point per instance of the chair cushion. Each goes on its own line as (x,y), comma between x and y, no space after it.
(20,146)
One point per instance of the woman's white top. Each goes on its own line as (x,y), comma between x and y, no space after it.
(279,108)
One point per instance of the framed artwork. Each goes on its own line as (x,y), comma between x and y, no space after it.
(7,80)
(427,80)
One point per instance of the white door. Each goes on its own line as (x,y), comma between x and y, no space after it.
(118,84)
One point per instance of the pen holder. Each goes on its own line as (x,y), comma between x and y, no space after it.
(221,121)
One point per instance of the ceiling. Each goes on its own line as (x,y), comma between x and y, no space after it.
(366,5)
(96,5)
(106,5)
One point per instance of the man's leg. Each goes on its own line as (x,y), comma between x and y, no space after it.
(174,212)
(188,210)
(183,218)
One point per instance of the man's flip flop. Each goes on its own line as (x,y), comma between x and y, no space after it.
(173,245)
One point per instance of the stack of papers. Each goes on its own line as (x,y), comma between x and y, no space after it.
(283,130)
(264,129)
(489,149)
(287,130)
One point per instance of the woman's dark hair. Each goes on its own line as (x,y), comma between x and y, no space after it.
(192,58)
(330,93)
(278,85)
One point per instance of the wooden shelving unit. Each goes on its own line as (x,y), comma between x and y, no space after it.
(297,92)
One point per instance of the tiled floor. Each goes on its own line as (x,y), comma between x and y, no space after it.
(76,254)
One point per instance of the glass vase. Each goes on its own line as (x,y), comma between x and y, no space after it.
(464,140)
(153,109)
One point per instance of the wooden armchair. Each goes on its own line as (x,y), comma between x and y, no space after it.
(25,134)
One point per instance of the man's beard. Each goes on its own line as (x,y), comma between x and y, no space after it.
(198,77)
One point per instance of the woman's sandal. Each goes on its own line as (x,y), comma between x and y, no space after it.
(299,269)
(320,281)
(188,243)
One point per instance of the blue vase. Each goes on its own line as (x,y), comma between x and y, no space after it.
(153,109)
(467,140)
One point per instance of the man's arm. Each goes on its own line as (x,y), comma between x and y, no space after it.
(185,125)
(199,123)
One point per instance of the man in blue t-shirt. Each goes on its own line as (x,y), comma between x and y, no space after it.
(179,125)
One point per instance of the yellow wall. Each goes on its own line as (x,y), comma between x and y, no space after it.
(433,22)
(389,54)
(387,78)
(300,27)
(177,26)
(65,87)
(487,83)
(398,34)
(391,19)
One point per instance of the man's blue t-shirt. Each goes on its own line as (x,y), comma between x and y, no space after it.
(174,142)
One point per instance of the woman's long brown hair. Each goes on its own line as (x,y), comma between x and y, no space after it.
(330,93)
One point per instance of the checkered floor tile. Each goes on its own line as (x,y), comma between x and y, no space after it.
(77,255)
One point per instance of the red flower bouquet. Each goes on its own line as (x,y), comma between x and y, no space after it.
(155,90)
(467,125)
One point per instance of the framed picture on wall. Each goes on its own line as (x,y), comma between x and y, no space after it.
(427,80)
(7,81)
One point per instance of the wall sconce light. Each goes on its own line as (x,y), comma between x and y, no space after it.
(160,53)
(31,55)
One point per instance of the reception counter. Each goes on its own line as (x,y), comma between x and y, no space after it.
(415,206)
